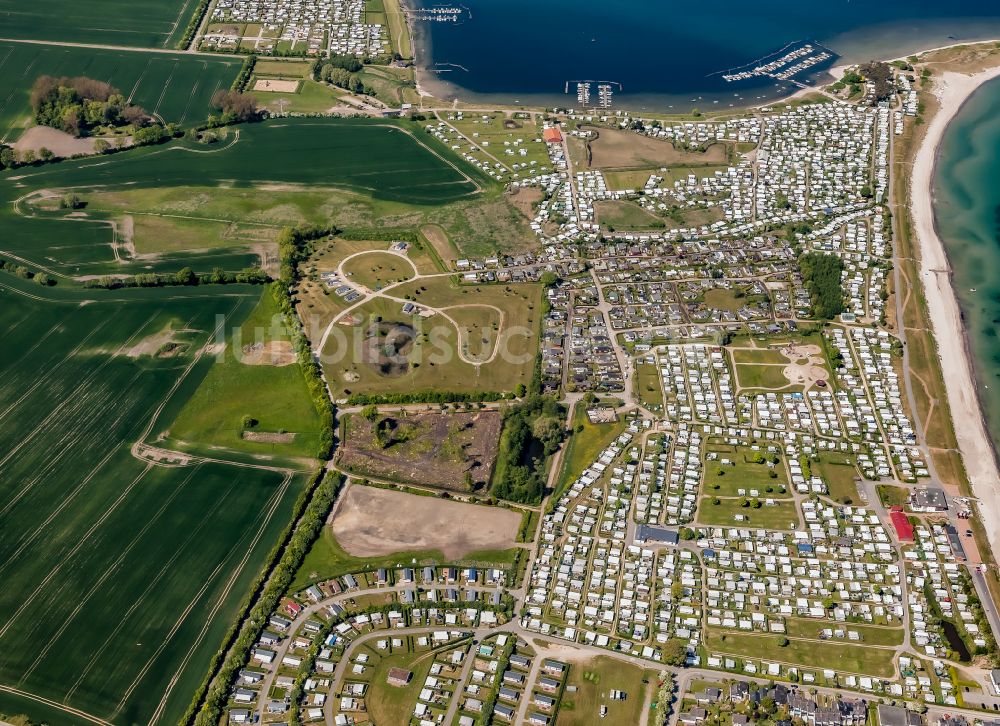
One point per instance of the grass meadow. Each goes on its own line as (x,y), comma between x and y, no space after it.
(174,86)
(120,577)
(153,24)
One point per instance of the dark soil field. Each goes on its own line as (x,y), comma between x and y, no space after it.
(442,450)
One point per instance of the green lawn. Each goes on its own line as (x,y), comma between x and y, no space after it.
(744,474)
(870,634)
(648,385)
(893,496)
(862,659)
(276,396)
(311,97)
(762,355)
(378,269)
(390,704)
(625,215)
(838,472)
(594,680)
(433,361)
(782,516)
(765,377)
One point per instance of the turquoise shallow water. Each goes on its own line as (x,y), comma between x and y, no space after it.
(967,208)
(666,52)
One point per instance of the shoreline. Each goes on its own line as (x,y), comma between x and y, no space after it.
(979,455)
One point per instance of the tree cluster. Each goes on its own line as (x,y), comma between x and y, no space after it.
(341,71)
(532,432)
(236,107)
(25,274)
(78,105)
(821,274)
(880,76)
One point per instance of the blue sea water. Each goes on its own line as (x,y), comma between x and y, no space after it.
(967,211)
(666,53)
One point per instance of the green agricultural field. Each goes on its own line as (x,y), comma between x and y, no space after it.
(275,396)
(121,576)
(393,169)
(153,24)
(176,87)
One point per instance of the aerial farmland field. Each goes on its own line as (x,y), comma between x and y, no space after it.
(174,86)
(121,575)
(121,192)
(151,24)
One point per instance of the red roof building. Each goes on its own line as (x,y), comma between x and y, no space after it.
(904,530)
(552,135)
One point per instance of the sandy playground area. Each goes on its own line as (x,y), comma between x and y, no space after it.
(372,522)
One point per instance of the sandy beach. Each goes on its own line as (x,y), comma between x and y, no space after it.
(952,90)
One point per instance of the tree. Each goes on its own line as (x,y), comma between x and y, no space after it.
(675,652)
(44,280)
(101,146)
(370,413)
(185,276)
(782,642)
(235,106)
(8,159)
(248,422)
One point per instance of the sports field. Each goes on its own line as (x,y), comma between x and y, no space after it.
(120,576)
(150,24)
(173,86)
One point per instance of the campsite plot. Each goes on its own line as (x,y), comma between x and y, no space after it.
(121,577)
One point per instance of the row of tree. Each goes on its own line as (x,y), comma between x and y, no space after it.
(184,276)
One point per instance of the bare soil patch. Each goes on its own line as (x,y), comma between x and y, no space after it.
(442,450)
(525,199)
(273,353)
(440,242)
(58,142)
(617,149)
(276,85)
(268,437)
(373,522)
